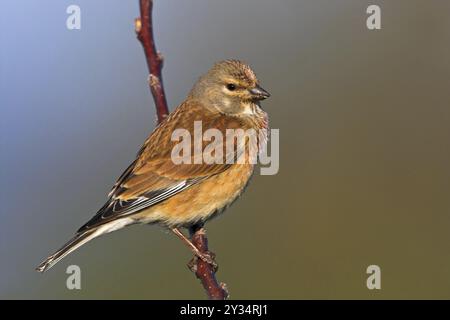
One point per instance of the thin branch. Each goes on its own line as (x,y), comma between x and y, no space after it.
(144,30)
(203,270)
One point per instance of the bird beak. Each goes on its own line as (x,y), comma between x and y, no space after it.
(259,93)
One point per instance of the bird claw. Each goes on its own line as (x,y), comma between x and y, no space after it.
(192,265)
(207,257)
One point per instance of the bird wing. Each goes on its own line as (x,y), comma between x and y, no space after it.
(153,176)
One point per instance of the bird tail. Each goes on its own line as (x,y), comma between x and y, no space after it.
(69,247)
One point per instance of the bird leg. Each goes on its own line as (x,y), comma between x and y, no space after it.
(204,256)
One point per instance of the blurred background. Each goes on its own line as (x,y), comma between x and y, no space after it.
(364,119)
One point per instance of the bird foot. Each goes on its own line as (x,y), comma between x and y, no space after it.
(207,257)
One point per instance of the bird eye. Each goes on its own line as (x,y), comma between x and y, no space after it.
(231,87)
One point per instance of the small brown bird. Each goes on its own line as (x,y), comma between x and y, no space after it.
(155,190)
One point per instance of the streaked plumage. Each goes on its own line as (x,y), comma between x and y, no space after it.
(153,189)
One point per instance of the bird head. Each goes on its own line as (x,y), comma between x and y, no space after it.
(230,86)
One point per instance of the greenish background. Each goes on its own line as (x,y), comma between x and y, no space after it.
(364,119)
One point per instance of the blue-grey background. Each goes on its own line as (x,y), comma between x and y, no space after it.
(364,119)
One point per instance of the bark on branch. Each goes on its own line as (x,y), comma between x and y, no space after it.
(144,30)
